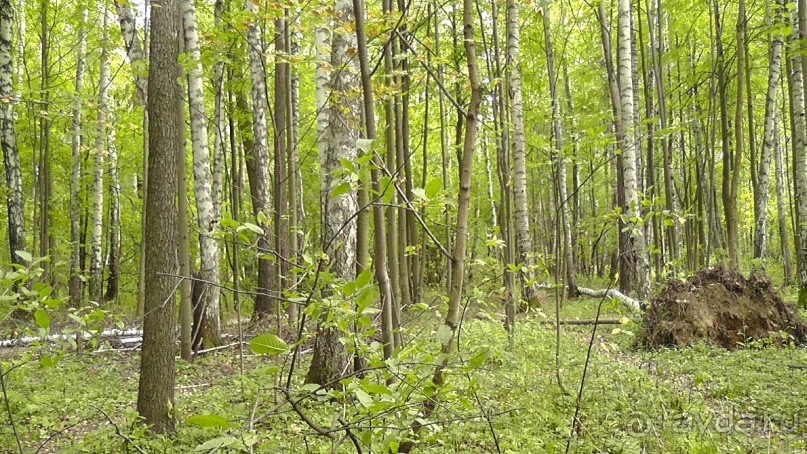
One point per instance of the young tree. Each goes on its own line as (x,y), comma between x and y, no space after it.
(768,144)
(259,161)
(524,249)
(155,394)
(635,252)
(339,208)
(75,287)
(99,157)
(208,334)
(8,139)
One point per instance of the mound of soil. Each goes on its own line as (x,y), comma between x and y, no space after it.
(721,307)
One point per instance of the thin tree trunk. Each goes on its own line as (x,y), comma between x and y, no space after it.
(768,144)
(280,178)
(799,158)
(207,330)
(329,360)
(379,240)
(8,139)
(560,162)
(524,247)
(260,162)
(636,252)
(780,205)
(96,257)
(114,246)
(75,288)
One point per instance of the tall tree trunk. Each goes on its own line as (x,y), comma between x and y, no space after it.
(636,252)
(280,177)
(44,179)
(155,396)
(559,157)
(339,227)
(114,246)
(260,162)
(780,205)
(799,158)
(296,214)
(379,240)
(8,140)
(207,332)
(768,144)
(524,247)
(75,288)
(732,161)
(452,317)
(96,257)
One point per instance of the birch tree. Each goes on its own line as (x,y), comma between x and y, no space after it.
(339,208)
(75,288)
(99,157)
(8,139)
(524,248)
(768,143)
(636,252)
(206,217)
(260,161)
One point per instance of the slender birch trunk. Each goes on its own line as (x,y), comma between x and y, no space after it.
(96,236)
(207,333)
(524,247)
(8,139)
(768,144)
(781,214)
(260,161)
(75,288)
(339,227)
(799,158)
(636,251)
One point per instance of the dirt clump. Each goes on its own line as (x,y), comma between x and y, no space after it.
(722,308)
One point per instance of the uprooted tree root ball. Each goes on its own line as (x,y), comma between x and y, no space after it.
(722,308)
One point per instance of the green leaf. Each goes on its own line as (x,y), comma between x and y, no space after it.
(363,278)
(41,318)
(342,188)
(376,388)
(433,187)
(364,398)
(420,193)
(480,356)
(25,256)
(251,227)
(364,144)
(268,344)
(387,191)
(208,421)
(216,444)
(444,334)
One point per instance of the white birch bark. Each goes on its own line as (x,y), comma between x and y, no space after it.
(522,222)
(134,51)
(800,158)
(75,287)
(260,154)
(637,249)
(338,210)
(218,122)
(202,188)
(763,173)
(99,156)
(8,140)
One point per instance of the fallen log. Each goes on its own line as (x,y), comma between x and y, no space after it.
(629,302)
(605,321)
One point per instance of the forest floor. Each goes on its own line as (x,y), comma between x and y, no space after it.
(697,400)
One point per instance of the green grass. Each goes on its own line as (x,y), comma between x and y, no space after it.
(696,400)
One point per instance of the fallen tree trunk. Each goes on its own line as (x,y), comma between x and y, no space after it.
(606,321)
(631,303)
